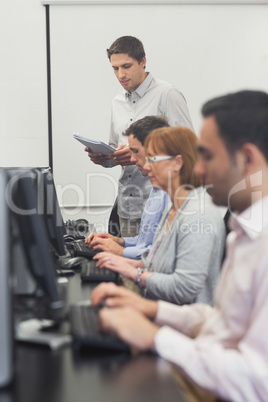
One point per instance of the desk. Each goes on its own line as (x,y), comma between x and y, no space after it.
(42,375)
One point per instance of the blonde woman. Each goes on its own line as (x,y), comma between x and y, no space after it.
(184,262)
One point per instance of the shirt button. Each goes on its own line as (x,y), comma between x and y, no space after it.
(130,195)
(134,101)
(130,119)
(129,175)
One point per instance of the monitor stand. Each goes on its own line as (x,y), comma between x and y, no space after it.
(41,332)
(25,284)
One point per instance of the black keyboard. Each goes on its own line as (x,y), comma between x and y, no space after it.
(91,273)
(79,248)
(86,330)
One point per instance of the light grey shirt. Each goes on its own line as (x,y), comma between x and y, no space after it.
(152,98)
(185,261)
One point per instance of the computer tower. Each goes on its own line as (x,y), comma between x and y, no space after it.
(6,315)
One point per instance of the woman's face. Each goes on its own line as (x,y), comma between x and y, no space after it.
(161,173)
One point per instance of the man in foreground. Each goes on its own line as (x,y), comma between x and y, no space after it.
(223,349)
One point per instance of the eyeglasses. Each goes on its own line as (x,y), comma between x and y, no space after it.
(157,158)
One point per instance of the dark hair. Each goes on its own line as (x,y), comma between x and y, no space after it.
(128,45)
(141,128)
(177,141)
(241,117)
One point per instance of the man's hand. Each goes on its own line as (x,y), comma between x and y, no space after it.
(130,325)
(96,157)
(122,156)
(105,235)
(119,296)
(107,245)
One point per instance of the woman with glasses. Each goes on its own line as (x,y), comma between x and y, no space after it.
(184,261)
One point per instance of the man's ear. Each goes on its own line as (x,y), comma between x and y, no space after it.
(143,62)
(252,156)
(243,159)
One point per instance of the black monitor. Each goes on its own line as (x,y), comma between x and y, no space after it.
(6,327)
(49,207)
(23,202)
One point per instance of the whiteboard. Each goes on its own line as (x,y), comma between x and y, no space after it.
(204,50)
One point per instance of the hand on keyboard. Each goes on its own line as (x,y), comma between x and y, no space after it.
(86,330)
(91,273)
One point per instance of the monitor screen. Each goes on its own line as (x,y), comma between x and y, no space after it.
(6,327)
(49,207)
(23,202)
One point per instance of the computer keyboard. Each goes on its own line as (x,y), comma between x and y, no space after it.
(86,331)
(91,273)
(79,248)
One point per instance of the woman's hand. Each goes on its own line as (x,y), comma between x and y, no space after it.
(117,264)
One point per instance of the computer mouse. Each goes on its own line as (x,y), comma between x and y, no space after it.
(68,238)
(72,263)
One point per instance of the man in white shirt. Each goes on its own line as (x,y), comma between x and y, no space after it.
(143,95)
(222,349)
(158,200)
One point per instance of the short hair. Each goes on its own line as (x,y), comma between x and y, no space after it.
(141,128)
(241,117)
(128,45)
(177,141)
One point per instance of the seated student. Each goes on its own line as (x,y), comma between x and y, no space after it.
(134,247)
(222,349)
(184,261)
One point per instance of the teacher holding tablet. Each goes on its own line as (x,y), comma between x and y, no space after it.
(143,95)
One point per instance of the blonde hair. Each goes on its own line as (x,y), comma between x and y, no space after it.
(177,141)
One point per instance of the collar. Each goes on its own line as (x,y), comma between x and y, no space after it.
(142,89)
(253,221)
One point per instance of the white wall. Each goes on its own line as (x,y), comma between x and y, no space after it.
(204,50)
(23,93)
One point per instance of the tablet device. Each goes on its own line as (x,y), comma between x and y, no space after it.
(95,145)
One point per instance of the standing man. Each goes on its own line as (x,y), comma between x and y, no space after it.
(143,95)
(223,349)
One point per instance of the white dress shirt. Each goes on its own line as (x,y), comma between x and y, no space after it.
(152,98)
(225,349)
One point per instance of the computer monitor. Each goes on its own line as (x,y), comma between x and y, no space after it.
(23,202)
(6,314)
(49,207)
(24,283)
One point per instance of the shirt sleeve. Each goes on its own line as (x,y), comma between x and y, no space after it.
(176,109)
(133,248)
(113,137)
(238,373)
(130,241)
(187,319)
(135,252)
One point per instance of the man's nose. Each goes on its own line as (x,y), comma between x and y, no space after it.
(133,158)
(199,168)
(121,73)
